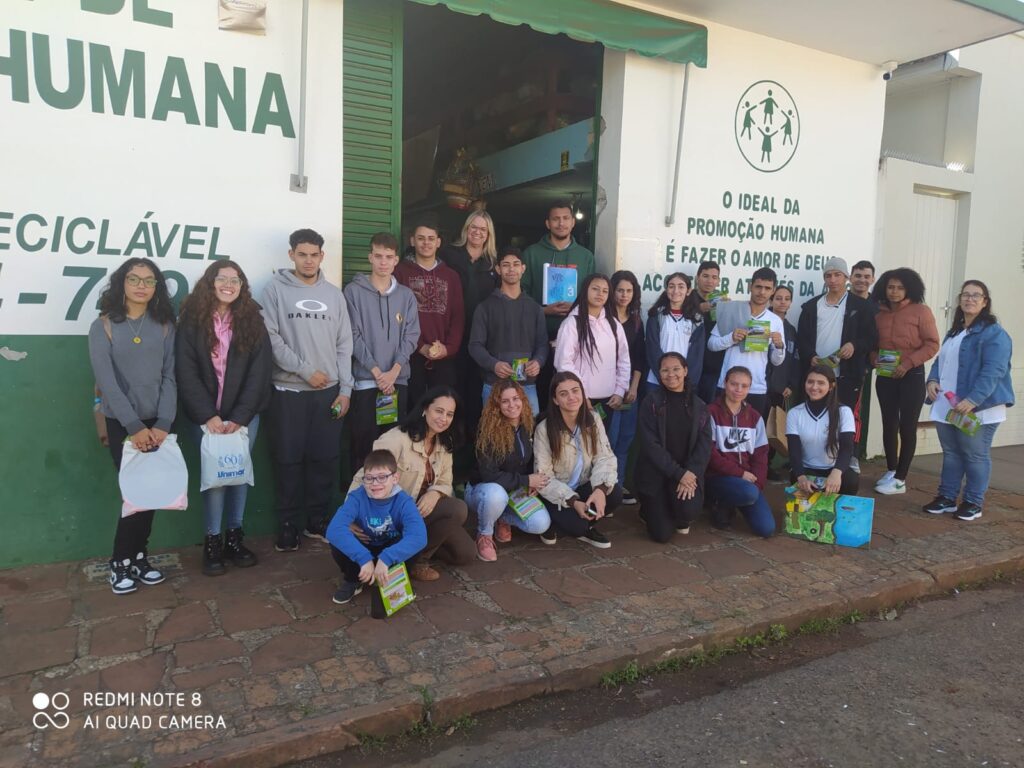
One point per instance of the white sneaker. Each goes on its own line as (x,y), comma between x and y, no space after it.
(855,465)
(886,478)
(892,488)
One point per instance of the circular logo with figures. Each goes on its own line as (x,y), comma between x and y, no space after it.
(767,126)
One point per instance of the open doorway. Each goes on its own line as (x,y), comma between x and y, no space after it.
(498,117)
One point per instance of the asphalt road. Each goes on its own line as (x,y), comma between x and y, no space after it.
(939,686)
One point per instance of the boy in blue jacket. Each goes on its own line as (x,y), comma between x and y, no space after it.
(377,526)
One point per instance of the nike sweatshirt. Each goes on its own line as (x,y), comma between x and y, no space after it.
(309,332)
(739,442)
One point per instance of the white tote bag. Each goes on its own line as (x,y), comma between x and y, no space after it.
(154,479)
(225,459)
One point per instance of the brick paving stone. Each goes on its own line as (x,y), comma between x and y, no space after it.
(667,571)
(243,612)
(101,603)
(323,625)
(184,623)
(115,637)
(142,674)
(341,674)
(731,561)
(312,565)
(630,543)
(907,527)
(34,580)
(619,579)
(508,567)
(35,615)
(786,549)
(403,628)
(289,650)
(442,586)
(199,652)
(522,639)
(27,652)
(572,587)
(195,681)
(311,598)
(453,614)
(520,601)
(568,555)
(260,692)
(701,535)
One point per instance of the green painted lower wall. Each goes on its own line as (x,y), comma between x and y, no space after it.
(58,488)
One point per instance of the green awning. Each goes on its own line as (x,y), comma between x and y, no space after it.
(598,21)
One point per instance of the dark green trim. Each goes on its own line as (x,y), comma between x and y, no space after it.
(1008,9)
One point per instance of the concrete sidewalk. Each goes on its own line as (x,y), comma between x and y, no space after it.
(272,671)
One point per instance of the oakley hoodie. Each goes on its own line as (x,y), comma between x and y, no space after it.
(385,329)
(309,332)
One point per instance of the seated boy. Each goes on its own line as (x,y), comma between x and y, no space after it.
(378,521)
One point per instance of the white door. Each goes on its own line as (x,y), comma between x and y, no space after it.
(932,255)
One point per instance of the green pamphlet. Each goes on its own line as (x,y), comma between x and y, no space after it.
(396,592)
(524,504)
(519,368)
(713,298)
(758,336)
(888,362)
(967,423)
(387,408)
(832,361)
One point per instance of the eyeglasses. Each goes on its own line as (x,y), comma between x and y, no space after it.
(972,296)
(234,282)
(135,281)
(375,479)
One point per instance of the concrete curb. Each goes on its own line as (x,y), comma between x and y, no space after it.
(335,732)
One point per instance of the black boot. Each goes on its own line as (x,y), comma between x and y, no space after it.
(213,558)
(236,551)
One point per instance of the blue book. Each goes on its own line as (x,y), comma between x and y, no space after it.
(559,284)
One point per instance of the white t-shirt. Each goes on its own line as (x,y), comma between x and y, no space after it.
(674,337)
(813,433)
(757,362)
(830,327)
(949,369)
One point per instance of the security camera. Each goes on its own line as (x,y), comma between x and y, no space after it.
(888,68)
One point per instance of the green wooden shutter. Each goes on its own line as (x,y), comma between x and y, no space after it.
(372,128)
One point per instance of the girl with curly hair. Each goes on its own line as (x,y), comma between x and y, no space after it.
(224,365)
(504,453)
(131,348)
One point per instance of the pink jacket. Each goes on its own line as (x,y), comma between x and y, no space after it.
(607,373)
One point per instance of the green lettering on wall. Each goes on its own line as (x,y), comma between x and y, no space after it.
(106,7)
(104,78)
(142,12)
(15,66)
(176,79)
(273,93)
(233,101)
(67,99)
(19,233)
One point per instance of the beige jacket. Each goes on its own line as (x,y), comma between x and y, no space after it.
(601,470)
(412,464)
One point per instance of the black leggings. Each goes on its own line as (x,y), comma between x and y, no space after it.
(565,520)
(900,401)
(132,534)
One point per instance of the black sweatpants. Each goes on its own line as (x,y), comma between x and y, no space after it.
(430,373)
(663,511)
(349,568)
(565,520)
(900,401)
(306,444)
(362,421)
(132,533)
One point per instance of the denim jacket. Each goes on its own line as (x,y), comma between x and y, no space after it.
(983,372)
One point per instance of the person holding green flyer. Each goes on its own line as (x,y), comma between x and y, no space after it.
(907,339)
(376,528)
(385,330)
(503,488)
(970,378)
(737,321)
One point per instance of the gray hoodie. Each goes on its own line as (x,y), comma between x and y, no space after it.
(385,329)
(309,332)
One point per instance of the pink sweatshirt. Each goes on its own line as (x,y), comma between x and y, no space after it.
(219,355)
(604,375)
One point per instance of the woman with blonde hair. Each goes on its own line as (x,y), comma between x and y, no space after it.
(504,453)
(473,256)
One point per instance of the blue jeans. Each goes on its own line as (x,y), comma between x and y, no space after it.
(230,499)
(490,502)
(737,492)
(965,457)
(529,389)
(621,434)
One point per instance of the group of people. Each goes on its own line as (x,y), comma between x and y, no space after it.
(457,340)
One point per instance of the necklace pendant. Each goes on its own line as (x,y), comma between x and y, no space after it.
(136,340)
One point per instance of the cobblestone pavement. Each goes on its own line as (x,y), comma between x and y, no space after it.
(291,674)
